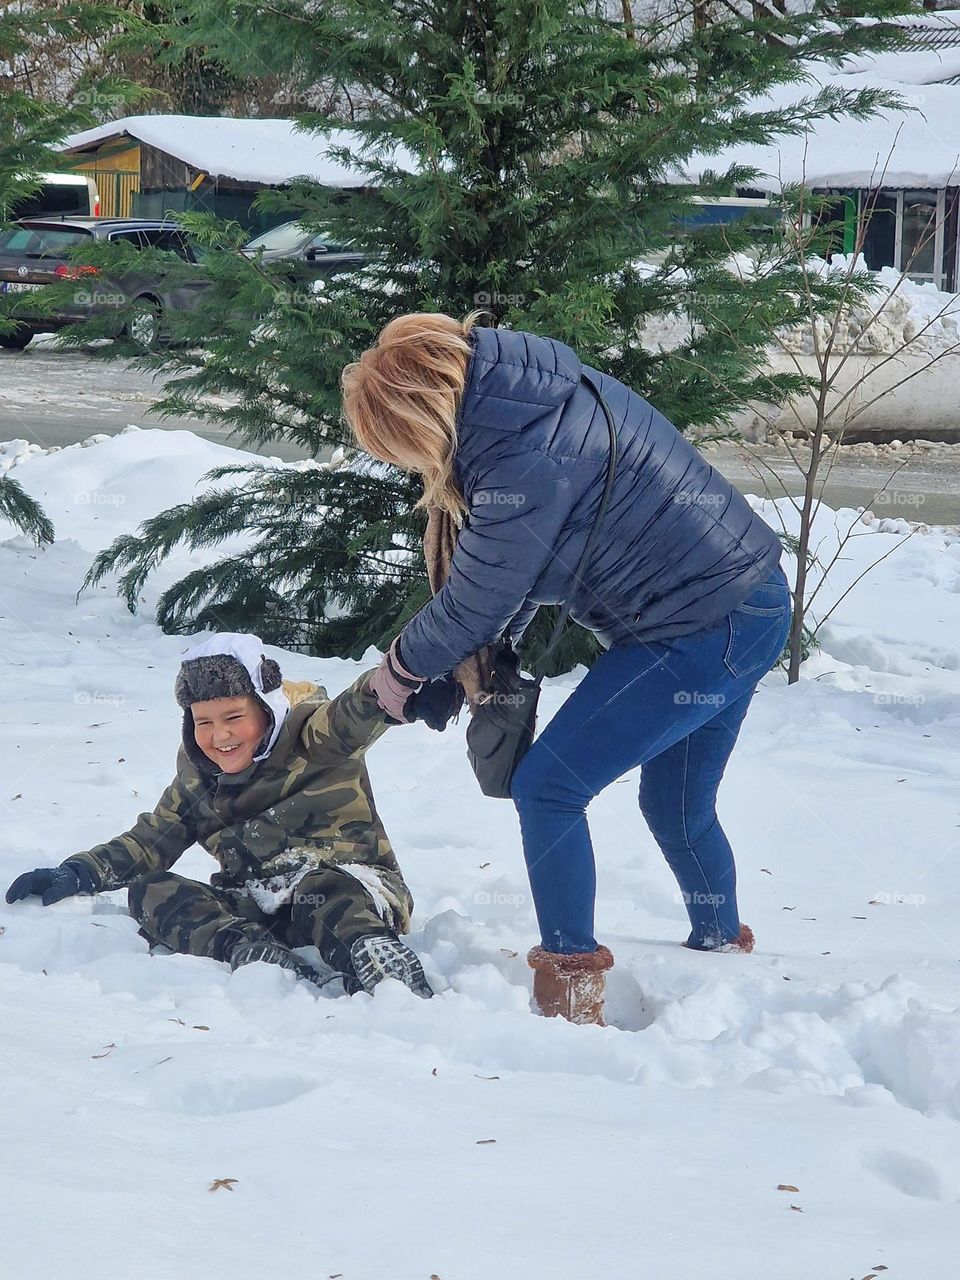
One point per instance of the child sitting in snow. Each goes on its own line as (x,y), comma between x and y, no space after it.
(271,780)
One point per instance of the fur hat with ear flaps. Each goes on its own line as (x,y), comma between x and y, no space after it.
(230,665)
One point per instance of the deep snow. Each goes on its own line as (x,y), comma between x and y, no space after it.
(463,1138)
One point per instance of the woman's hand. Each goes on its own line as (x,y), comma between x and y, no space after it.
(393,684)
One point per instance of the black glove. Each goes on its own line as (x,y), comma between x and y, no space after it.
(435,703)
(53,883)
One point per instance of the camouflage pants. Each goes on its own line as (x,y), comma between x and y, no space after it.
(330,909)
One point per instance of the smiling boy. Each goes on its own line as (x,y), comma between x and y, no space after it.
(271,780)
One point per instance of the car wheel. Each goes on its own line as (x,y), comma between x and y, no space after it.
(144,325)
(17,339)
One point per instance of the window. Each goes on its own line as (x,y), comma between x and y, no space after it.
(289,237)
(918,236)
(878,210)
(171,241)
(72,199)
(134,238)
(41,242)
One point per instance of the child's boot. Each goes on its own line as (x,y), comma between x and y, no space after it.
(570,986)
(248,949)
(376,956)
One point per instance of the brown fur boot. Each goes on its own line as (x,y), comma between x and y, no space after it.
(744,942)
(570,986)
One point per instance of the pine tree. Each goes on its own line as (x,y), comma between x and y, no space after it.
(518,158)
(29,130)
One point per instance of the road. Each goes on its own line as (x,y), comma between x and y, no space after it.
(924,486)
(54,397)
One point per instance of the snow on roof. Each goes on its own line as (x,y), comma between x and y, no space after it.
(265,151)
(914,66)
(934,19)
(915,147)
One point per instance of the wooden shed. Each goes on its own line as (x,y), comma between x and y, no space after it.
(147,166)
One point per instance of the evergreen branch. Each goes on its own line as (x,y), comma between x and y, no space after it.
(23,511)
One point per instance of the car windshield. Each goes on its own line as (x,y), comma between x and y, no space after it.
(290,235)
(41,242)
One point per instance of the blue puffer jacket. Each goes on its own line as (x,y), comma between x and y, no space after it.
(679,548)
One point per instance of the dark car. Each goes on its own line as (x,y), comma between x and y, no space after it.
(291,240)
(36,252)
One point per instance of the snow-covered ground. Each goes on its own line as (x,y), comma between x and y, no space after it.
(791,1114)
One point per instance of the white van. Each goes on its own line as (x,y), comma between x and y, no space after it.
(74,195)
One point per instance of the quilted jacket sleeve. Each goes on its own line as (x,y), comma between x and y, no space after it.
(518,508)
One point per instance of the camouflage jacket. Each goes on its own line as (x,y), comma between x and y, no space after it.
(308,804)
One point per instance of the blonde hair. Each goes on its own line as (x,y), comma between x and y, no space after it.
(402,396)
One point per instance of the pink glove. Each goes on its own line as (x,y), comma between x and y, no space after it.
(393,684)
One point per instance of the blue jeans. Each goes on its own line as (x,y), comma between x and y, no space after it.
(674,708)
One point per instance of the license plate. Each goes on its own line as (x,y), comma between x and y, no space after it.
(17,286)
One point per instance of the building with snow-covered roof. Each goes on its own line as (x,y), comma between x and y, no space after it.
(903,165)
(147,165)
